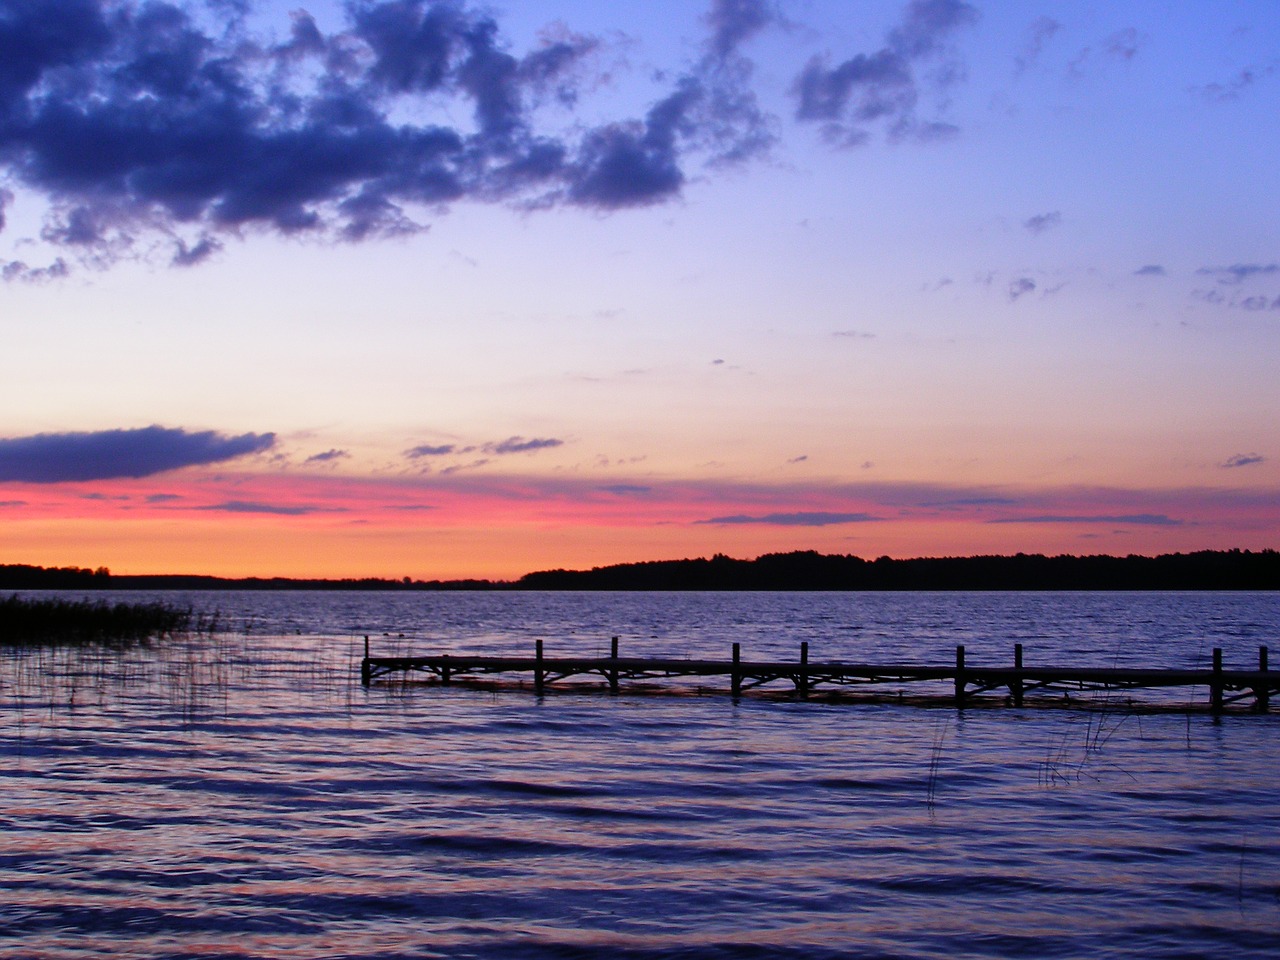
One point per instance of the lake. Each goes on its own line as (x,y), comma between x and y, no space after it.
(241,795)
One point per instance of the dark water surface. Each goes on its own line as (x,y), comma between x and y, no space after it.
(243,796)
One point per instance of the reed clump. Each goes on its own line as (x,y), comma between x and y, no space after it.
(55,621)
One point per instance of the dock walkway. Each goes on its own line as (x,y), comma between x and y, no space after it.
(969,684)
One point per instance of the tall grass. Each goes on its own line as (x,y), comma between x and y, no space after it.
(54,621)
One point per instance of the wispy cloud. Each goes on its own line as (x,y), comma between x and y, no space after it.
(521,445)
(1132,519)
(281,510)
(107,454)
(1042,30)
(625,489)
(881,88)
(430,450)
(1041,222)
(328,456)
(811,518)
(1020,287)
(1235,87)
(1239,272)
(1243,460)
(1150,270)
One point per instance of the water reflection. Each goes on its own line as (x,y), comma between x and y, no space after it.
(246,797)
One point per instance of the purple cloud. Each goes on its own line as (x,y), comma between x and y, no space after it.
(520,445)
(1150,270)
(1136,519)
(110,454)
(1020,287)
(250,506)
(625,489)
(1042,222)
(428,450)
(1239,272)
(137,120)
(1244,460)
(816,518)
(327,457)
(881,86)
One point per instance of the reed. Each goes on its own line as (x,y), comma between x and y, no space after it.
(55,621)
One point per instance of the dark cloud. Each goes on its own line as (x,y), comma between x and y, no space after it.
(1243,460)
(1020,287)
(108,454)
(815,518)
(1150,270)
(1133,519)
(733,22)
(1239,272)
(520,445)
(1042,222)
(137,121)
(882,86)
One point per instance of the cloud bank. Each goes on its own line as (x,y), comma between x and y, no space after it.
(110,454)
(171,126)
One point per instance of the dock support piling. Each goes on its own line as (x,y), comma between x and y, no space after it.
(960,675)
(1215,685)
(1262,693)
(365,672)
(1015,686)
(802,678)
(539,674)
(613,669)
(735,677)
(445,671)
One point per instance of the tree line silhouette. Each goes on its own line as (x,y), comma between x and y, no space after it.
(799,570)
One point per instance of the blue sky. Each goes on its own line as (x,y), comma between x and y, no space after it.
(909,278)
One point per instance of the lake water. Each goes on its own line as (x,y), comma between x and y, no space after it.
(243,796)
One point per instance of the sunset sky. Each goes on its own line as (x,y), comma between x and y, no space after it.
(402,288)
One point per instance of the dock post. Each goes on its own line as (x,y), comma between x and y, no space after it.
(444,672)
(613,668)
(365,672)
(1262,694)
(960,675)
(538,673)
(1016,685)
(735,678)
(1215,686)
(802,679)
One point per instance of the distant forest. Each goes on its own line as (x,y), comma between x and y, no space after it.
(801,570)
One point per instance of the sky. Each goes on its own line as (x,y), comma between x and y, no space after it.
(438,289)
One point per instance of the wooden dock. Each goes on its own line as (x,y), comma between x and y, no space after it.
(970,684)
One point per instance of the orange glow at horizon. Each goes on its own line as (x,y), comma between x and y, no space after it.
(500,528)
